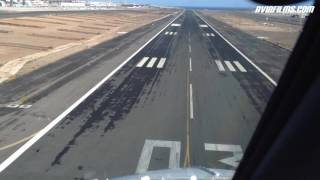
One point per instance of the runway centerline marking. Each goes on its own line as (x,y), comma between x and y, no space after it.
(239,66)
(203,25)
(142,61)
(175,25)
(161,63)
(151,62)
(230,66)
(191,102)
(190,64)
(8,161)
(219,65)
(190,50)
(241,53)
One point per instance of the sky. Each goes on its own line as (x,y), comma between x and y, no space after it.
(196,3)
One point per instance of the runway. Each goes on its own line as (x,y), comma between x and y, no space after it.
(186,98)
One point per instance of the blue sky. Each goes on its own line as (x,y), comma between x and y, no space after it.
(196,3)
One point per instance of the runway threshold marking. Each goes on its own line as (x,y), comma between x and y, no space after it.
(239,66)
(151,62)
(241,53)
(230,66)
(219,65)
(161,63)
(8,161)
(142,61)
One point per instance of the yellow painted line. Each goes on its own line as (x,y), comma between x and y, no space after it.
(17,142)
(187,154)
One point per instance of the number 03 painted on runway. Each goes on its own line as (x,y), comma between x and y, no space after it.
(149,145)
(175,149)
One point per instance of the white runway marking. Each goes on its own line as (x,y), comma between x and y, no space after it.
(20,106)
(208,34)
(175,33)
(190,64)
(230,66)
(167,33)
(151,62)
(176,25)
(190,50)
(171,33)
(58,119)
(191,102)
(161,63)
(142,61)
(146,154)
(212,35)
(203,25)
(219,65)
(243,55)
(239,66)
(235,149)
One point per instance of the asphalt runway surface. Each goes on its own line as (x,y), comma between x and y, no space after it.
(186,98)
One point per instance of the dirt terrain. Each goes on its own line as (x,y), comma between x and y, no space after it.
(282,33)
(28,43)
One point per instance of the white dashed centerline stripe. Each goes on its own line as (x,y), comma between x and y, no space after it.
(191,102)
(167,33)
(175,33)
(239,66)
(219,65)
(161,63)
(151,62)
(142,61)
(190,64)
(190,48)
(208,34)
(171,33)
(212,35)
(53,123)
(176,25)
(230,66)
(243,55)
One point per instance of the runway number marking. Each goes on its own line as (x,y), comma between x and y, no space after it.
(146,154)
(235,149)
(175,150)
